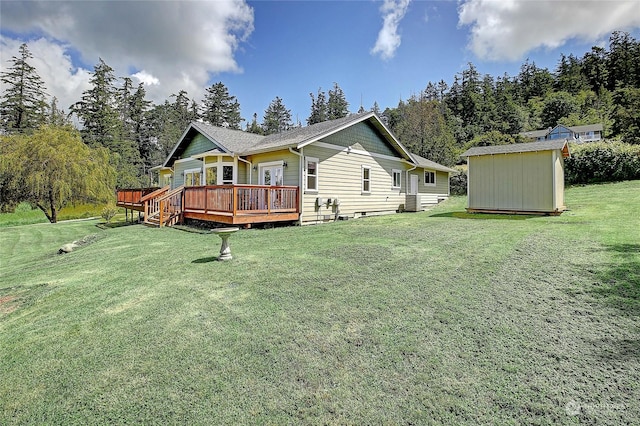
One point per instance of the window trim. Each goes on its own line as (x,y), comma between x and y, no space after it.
(308,160)
(394,173)
(191,171)
(270,165)
(365,180)
(425,178)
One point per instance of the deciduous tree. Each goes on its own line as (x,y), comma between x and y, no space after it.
(52,167)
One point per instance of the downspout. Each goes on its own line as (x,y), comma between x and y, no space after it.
(250,167)
(300,179)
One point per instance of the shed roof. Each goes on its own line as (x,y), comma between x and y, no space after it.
(549,145)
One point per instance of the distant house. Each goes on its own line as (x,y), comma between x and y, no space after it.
(517,178)
(579,134)
(340,169)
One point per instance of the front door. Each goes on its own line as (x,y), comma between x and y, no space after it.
(271,175)
(413,188)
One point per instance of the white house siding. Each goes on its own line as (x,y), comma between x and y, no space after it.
(430,194)
(340,176)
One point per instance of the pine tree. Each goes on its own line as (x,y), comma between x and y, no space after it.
(337,106)
(97,110)
(57,116)
(319,108)
(22,105)
(254,127)
(277,118)
(220,108)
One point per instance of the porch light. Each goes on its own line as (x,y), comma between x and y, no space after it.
(284,164)
(255,168)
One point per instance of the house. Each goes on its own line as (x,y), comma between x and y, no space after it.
(517,178)
(578,134)
(340,169)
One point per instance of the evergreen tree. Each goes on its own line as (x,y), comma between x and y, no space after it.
(22,105)
(277,118)
(376,108)
(254,127)
(57,116)
(337,105)
(319,108)
(97,110)
(220,108)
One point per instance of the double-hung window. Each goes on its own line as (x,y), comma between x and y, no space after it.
(311,165)
(396,179)
(429,178)
(366,179)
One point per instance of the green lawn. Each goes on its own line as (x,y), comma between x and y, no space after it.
(417,318)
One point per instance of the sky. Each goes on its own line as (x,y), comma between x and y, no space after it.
(376,51)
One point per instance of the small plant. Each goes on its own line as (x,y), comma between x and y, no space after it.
(109,212)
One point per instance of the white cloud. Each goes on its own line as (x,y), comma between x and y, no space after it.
(388,39)
(508,29)
(178,45)
(53,65)
(146,78)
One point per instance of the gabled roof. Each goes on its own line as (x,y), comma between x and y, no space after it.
(302,136)
(575,129)
(227,140)
(428,164)
(238,142)
(519,147)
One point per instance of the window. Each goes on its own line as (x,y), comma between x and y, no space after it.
(227,175)
(396,179)
(211,175)
(366,179)
(192,177)
(311,164)
(429,178)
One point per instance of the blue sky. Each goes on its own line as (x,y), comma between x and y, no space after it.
(377,51)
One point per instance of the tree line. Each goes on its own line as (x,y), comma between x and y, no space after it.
(132,134)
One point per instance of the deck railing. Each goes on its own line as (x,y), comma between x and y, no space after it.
(170,206)
(133,196)
(241,199)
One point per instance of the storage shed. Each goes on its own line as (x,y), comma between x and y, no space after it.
(517,178)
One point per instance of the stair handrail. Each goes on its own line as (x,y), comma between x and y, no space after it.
(154,194)
(172,214)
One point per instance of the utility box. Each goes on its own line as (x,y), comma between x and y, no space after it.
(413,203)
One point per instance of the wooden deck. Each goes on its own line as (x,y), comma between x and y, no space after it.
(228,204)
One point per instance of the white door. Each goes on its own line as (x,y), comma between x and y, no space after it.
(413,188)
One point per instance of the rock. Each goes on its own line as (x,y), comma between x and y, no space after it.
(67,248)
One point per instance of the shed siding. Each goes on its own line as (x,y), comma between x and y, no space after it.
(518,181)
(481,182)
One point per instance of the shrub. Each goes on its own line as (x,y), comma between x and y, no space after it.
(458,182)
(23,207)
(602,162)
(109,212)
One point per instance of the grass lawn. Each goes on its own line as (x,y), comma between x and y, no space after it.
(417,318)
